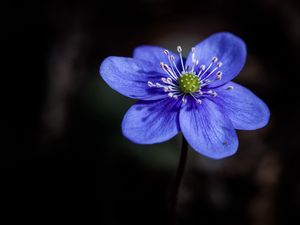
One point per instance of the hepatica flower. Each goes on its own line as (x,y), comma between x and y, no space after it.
(194,96)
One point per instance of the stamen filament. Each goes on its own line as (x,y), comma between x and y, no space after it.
(175,66)
(179,49)
(188,82)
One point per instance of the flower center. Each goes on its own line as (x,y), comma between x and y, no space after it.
(191,80)
(188,83)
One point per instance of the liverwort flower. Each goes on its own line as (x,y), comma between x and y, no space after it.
(194,96)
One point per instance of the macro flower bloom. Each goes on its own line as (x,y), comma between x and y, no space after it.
(194,96)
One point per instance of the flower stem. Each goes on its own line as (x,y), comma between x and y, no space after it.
(179,174)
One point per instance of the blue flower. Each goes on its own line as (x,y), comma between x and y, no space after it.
(194,96)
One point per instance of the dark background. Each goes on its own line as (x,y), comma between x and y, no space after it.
(63,158)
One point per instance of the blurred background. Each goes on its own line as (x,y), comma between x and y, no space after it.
(63,157)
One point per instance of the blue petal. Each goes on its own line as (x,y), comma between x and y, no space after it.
(149,122)
(130,76)
(154,55)
(207,129)
(245,109)
(228,48)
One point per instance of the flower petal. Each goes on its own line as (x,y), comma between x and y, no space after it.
(154,55)
(130,76)
(148,122)
(228,48)
(207,129)
(244,109)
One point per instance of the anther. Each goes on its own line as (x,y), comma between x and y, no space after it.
(219,75)
(171,95)
(179,49)
(198,101)
(214,59)
(193,50)
(150,84)
(166,52)
(158,85)
(219,64)
(172,58)
(169,80)
(201,69)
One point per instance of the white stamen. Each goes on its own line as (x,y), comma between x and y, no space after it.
(171,84)
(212,93)
(172,58)
(195,63)
(184,99)
(202,68)
(150,84)
(169,80)
(196,99)
(177,95)
(179,49)
(159,85)
(193,56)
(214,59)
(173,88)
(174,73)
(187,68)
(219,75)
(211,73)
(168,70)
(163,79)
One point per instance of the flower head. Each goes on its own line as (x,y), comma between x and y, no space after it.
(194,95)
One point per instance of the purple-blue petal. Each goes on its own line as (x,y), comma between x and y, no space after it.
(228,48)
(154,55)
(244,109)
(130,76)
(207,129)
(149,122)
